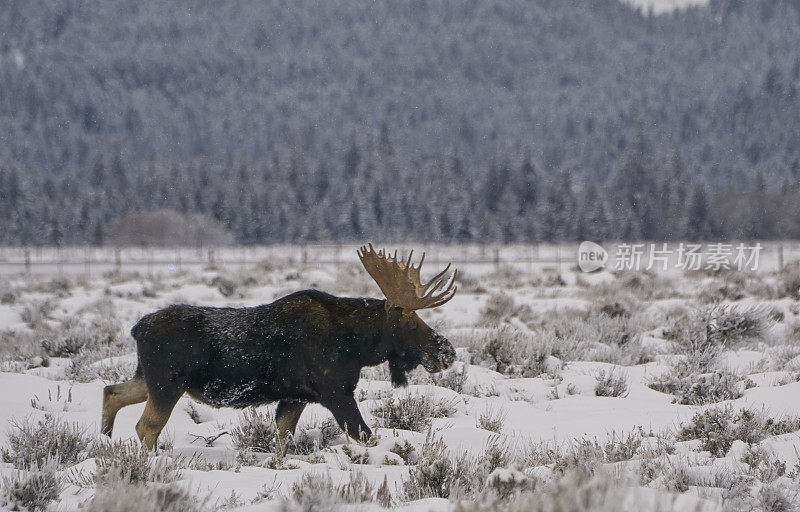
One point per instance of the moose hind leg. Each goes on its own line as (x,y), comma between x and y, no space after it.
(345,410)
(155,416)
(286,417)
(117,396)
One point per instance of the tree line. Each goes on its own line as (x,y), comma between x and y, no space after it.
(573,80)
(367,193)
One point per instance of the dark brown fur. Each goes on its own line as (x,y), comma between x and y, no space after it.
(306,347)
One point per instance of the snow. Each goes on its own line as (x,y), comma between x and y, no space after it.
(10,319)
(662,6)
(531,412)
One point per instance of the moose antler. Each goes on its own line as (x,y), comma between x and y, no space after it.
(399,280)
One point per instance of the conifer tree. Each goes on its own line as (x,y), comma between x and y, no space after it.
(697,214)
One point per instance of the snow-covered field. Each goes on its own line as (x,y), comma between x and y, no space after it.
(628,391)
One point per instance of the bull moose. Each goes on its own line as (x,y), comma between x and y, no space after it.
(306,347)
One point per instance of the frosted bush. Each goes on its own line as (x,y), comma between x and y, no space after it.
(574,491)
(453,378)
(697,389)
(515,351)
(312,437)
(314,493)
(116,493)
(719,427)
(582,454)
(32,489)
(35,313)
(256,431)
(789,283)
(22,345)
(610,383)
(719,325)
(501,307)
(74,336)
(411,412)
(132,462)
(507,482)
(492,420)
(438,473)
(32,444)
(763,464)
(434,474)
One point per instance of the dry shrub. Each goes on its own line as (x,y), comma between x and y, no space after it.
(717,428)
(574,491)
(315,436)
(33,489)
(719,325)
(513,351)
(501,307)
(609,383)
(74,337)
(350,279)
(492,420)
(20,345)
(132,462)
(315,492)
(116,493)
(256,431)
(643,285)
(788,283)
(693,388)
(438,473)
(36,313)
(411,412)
(453,378)
(33,444)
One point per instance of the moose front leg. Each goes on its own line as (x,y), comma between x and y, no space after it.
(161,399)
(345,410)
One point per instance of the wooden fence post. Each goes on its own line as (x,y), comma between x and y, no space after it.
(27,261)
(87,261)
(117,260)
(558,257)
(530,259)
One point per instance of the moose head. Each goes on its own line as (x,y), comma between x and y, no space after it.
(413,341)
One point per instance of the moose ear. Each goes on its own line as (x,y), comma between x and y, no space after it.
(398,374)
(404,312)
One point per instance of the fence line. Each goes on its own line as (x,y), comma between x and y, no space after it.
(88,260)
(117,259)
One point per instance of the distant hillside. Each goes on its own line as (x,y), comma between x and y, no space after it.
(571,79)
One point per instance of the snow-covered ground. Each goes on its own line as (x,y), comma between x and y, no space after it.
(565,385)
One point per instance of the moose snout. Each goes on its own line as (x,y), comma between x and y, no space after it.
(447,354)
